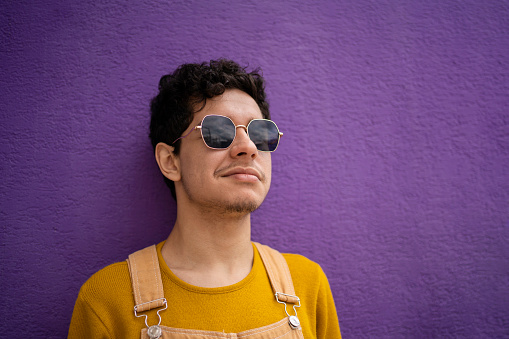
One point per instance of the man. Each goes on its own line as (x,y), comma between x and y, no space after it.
(213,140)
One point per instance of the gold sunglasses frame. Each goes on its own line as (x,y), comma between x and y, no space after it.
(280,134)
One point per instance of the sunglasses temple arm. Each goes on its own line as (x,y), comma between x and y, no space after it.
(182,137)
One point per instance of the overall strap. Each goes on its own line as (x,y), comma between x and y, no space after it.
(279,274)
(148,286)
(146,279)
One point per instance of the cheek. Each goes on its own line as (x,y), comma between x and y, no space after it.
(190,169)
(199,167)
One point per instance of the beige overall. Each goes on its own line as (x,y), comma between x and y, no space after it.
(148,295)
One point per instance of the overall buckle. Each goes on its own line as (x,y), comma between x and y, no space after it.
(293,320)
(153,331)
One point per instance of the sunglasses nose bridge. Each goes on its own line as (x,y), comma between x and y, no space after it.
(244,127)
(241,126)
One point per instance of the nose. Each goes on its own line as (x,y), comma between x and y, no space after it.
(242,145)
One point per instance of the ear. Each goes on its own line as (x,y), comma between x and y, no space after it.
(168,162)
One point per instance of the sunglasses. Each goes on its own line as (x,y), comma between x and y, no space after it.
(218,132)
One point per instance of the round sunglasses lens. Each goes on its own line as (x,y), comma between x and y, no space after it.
(264,134)
(217,131)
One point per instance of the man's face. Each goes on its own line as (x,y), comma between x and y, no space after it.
(233,180)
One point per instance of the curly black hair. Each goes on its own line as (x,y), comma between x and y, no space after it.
(185,92)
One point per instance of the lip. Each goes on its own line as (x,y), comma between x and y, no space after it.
(241,172)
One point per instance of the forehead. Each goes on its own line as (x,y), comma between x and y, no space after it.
(233,103)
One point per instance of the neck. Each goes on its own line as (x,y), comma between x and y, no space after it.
(209,250)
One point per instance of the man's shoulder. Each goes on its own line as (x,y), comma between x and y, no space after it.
(108,281)
(300,263)
(109,272)
(104,304)
(309,279)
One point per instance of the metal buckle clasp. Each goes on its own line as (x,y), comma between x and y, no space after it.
(146,317)
(282,302)
(293,320)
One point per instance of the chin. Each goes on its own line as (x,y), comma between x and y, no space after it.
(240,204)
(243,202)
(241,208)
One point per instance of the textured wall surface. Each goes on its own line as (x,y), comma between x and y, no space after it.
(392,172)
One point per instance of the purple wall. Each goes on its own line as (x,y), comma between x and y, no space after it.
(392,172)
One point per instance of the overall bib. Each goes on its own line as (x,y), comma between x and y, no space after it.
(148,294)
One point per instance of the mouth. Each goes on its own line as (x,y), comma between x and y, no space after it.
(248,174)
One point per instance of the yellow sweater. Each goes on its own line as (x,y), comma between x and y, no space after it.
(104,308)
